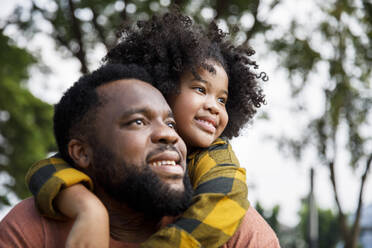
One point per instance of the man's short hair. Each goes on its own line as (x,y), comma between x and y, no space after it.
(74,115)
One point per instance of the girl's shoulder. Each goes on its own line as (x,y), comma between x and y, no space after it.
(220,151)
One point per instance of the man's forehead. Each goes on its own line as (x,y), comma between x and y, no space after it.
(127,83)
(130,93)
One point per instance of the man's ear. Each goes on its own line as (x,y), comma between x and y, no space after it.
(80,152)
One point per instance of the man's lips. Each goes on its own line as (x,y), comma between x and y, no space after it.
(207,124)
(167,163)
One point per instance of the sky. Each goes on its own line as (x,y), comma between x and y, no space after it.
(272,178)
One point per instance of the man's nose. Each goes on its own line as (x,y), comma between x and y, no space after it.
(163,133)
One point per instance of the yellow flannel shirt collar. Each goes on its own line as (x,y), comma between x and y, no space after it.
(218,141)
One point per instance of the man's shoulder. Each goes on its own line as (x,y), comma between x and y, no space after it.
(24,211)
(253,232)
(23,226)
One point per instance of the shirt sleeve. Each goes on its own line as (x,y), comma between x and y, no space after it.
(219,203)
(48,177)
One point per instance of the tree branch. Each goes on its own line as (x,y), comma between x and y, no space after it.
(63,42)
(341,215)
(179,2)
(356,226)
(123,14)
(56,36)
(221,6)
(99,29)
(80,53)
(256,24)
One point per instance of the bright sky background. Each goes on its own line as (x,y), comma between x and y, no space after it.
(272,178)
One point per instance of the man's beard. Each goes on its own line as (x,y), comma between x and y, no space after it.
(138,186)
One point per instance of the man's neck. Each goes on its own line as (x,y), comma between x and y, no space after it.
(126,224)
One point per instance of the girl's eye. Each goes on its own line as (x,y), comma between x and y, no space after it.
(200,89)
(222,100)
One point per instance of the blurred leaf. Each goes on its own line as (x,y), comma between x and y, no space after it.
(25,121)
(328,231)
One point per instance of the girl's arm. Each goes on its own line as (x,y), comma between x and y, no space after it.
(61,192)
(91,226)
(218,206)
(46,178)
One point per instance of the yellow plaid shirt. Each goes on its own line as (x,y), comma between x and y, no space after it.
(218,205)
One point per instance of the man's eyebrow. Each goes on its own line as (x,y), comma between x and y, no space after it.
(133,111)
(170,114)
(144,111)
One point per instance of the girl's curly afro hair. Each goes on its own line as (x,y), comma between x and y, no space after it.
(168,45)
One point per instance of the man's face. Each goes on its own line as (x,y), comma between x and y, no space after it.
(137,155)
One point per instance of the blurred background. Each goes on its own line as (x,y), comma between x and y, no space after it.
(307,153)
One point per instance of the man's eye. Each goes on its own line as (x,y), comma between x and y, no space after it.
(172,124)
(138,122)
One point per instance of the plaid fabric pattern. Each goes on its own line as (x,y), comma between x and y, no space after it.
(219,203)
(218,206)
(46,178)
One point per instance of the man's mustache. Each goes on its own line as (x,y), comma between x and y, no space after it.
(162,148)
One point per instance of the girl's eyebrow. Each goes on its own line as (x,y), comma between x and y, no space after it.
(199,80)
(208,83)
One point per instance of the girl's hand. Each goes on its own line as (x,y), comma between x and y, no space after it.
(91,226)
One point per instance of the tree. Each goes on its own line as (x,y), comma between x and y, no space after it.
(78,28)
(289,237)
(81,26)
(271,216)
(329,234)
(338,49)
(25,121)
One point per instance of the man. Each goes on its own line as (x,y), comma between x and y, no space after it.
(120,131)
(117,130)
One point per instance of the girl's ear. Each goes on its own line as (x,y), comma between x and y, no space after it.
(80,152)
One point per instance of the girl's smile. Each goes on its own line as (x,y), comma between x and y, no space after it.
(200,107)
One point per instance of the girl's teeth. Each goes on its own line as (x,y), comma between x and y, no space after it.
(206,122)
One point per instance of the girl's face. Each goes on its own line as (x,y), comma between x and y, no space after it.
(200,107)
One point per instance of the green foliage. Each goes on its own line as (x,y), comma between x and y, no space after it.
(348,56)
(270,216)
(79,27)
(338,43)
(328,227)
(25,121)
(298,56)
(289,237)
(329,234)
